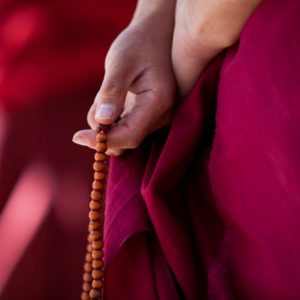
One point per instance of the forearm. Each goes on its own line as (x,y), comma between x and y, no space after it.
(157,16)
(164,8)
(203,28)
(217,23)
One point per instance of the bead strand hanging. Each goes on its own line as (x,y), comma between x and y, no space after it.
(93,276)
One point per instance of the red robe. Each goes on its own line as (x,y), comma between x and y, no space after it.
(209,208)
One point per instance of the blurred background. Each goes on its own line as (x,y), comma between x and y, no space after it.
(51,66)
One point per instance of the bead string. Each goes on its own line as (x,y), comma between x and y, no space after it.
(93,276)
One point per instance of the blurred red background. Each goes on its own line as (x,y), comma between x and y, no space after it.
(51,65)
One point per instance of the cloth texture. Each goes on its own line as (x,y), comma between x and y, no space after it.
(209,208)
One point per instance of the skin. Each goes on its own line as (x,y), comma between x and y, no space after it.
(204,28)
(147,61)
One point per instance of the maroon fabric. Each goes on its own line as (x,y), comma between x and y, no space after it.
(210,207)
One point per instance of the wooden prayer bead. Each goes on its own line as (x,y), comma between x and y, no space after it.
(101,137)
(88,267)
(94,293)
(97,185)
(96,195)
(85,296)
(88,257)
(100,148)
(97,264)
(99,176)
(97,274)
(100,220)
(95,235)
(94,226)
(95,205)
(90,238)
(96,245)
(97,254)
(86,287)
(87,277)
(94,215)
(97,284)
(89,248)
(98,166)
(99,156)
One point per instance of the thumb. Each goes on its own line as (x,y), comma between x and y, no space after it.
(110,99)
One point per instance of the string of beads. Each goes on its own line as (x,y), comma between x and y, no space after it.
(93,276)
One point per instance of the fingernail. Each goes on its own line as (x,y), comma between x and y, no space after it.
(77,139)
(104,111)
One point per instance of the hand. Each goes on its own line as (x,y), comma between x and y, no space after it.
(138,89)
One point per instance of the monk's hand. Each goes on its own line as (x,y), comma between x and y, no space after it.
(138,89)
(204,28)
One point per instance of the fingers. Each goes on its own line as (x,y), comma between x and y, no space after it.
(128,106)
(137,123)
(148,114)
(85,137)
(109,101)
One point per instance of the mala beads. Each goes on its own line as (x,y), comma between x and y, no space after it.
(93,276)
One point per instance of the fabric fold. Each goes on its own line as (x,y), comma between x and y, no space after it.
(218,192)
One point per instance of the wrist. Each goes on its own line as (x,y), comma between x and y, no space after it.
(155,21)
(215,24)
